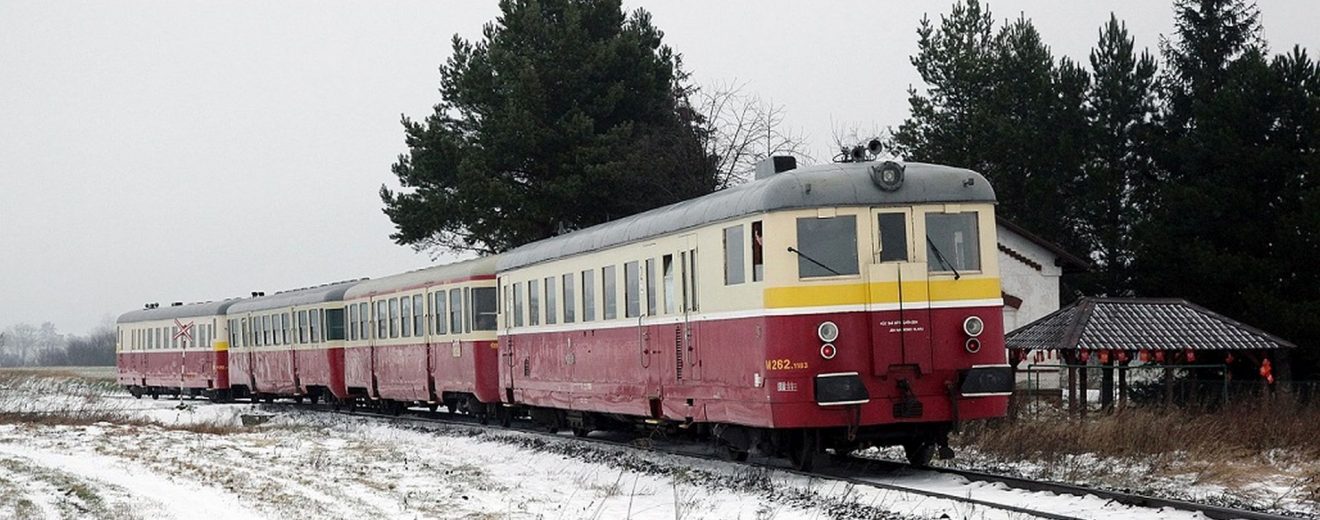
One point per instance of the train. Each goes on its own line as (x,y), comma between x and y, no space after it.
(811,311)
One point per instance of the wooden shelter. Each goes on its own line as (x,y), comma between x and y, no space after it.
(1115,334)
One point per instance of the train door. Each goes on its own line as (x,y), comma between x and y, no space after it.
(509,369)
(691,359)
(288,341)
(897,293)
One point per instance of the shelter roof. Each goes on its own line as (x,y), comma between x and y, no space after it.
(1139,324)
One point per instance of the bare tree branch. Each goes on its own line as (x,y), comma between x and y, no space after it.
(742,129)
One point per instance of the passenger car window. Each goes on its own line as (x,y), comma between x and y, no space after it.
(569,302)
(952,242)
(733,255)
(631,291)
(610,293)
(484,308)
(827,246)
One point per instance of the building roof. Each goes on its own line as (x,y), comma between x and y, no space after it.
(330,292)
(1068,261)
(178,311)
(838,184)
(1139,324)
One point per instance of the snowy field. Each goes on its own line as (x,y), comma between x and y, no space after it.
(77,448)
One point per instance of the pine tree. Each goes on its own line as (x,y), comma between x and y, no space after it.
(1119,170)
(999,103)
(564,114)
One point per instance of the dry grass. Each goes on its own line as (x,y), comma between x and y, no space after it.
(1241,430)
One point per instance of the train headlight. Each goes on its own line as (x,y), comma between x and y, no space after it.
(973,326)
(828,351)
(827,331)
(887,175)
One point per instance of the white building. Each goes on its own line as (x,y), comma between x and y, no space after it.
(1029,271)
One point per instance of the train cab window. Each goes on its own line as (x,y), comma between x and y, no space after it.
(484,308)
(733,256)
(302,326)
(827,246)
(419,314)
(266,330)
(314,327)
(382,319)
(667,265)
(588,295)
(455,311)
(364,332)
(610,291)
(893,237)
(650,286)
(394,317)
(952,242)
(517,305)
(569,314)
(352,322)
(758,256)
(467,310)
(334,324)
(551,310)
(632,303)
(533,302)
(439,314)
(405,317)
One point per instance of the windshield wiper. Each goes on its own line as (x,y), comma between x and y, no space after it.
(813,260)
(940,256)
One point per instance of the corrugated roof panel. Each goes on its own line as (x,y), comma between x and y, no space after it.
(1139,324)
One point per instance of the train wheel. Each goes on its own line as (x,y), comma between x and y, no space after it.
(803,451)
(919,454)
(730,452)
(581,432)
(505,416)
(155,395)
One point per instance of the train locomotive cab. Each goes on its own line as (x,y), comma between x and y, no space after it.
(828,308)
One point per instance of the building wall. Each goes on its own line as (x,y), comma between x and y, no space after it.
(1038,289)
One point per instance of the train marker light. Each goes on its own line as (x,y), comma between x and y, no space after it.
(972,345)
(828,351)
(973,326)
(827,331)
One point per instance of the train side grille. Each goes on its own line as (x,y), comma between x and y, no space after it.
(678,352)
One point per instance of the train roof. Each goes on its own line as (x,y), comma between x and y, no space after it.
(178,311)
(330,292)
(454,272)
(838,184)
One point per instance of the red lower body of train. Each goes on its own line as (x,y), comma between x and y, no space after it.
(194,372)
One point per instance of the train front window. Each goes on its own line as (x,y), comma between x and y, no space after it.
(893,237)
(952,242)
(826,246)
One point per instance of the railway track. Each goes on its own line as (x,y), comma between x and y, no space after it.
(865,473)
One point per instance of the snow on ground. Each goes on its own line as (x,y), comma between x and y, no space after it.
(104,455)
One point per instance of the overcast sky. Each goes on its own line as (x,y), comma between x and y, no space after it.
(186,151)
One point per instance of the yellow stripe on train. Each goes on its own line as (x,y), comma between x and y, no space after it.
(881,293)
(220,346)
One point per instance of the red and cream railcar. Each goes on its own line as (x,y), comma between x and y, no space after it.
(180,349)
(426,336)
(289,344)
(834,306)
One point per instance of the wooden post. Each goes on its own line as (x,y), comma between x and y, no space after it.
(1107,385)
(1072,388)
(1122,384)
(1082,388)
